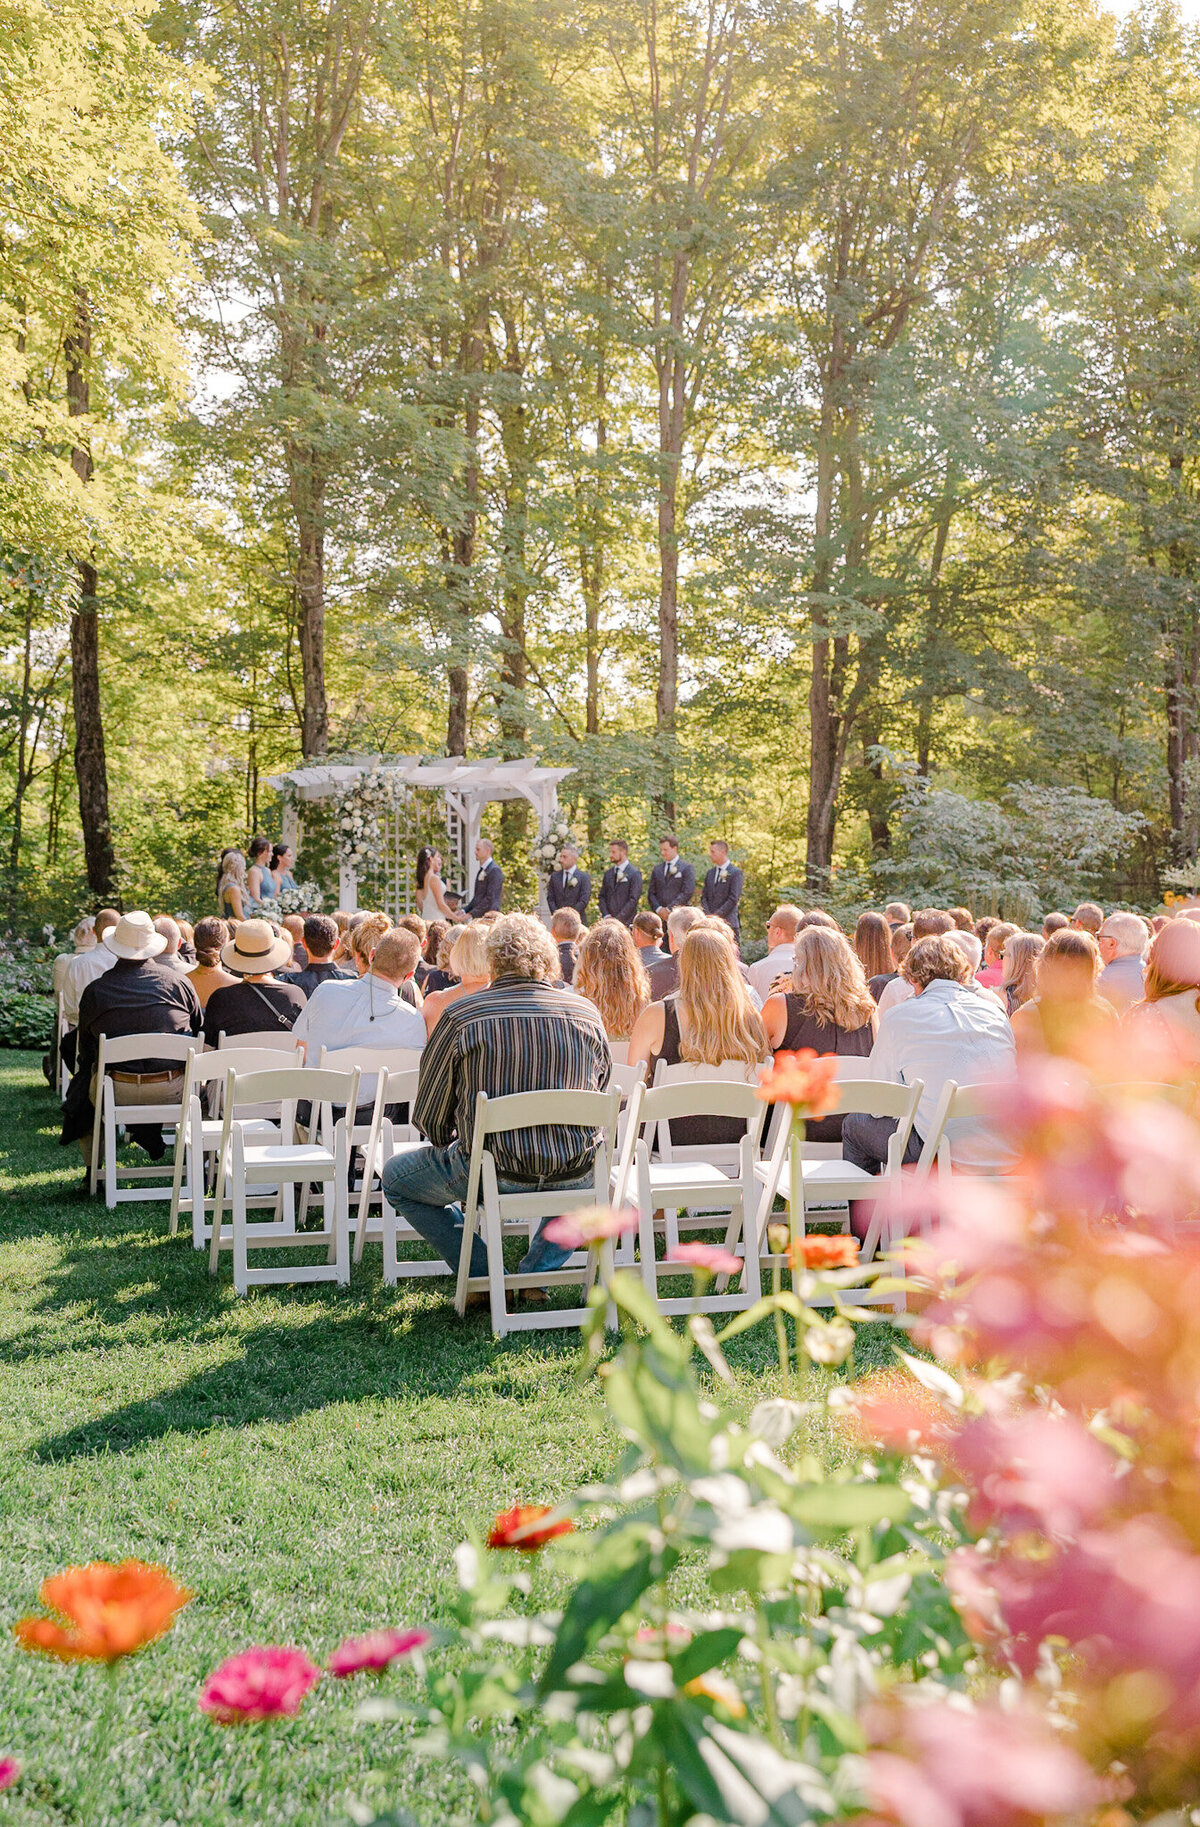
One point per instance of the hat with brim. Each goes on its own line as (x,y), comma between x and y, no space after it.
(254,950)
(134,937)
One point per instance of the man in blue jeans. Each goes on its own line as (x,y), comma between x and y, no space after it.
(521,1034)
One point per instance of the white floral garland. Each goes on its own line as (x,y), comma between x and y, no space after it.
(545,851)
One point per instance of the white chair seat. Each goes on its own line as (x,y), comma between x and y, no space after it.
(823,1177)
(211,1127)
(295,1155)
(681,1176)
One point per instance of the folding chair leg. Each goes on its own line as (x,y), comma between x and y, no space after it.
(645,1206)
(180,1191)
(494,1242)
(391,1263)
(241,1265)
(94,1164)
(341,1222)
(110,1146)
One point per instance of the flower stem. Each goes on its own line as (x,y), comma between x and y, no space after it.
(92,1790)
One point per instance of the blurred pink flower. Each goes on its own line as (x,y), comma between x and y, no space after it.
(578,1230)
(949,1767)
(711,1256)
(260,1683)
(377,1650)
(10,1769)
(1034,1471)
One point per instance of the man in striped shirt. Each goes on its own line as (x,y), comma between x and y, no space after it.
(521,1034)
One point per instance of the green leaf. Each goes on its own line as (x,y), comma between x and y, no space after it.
(625,1565)
(849,1506)
(704,1652)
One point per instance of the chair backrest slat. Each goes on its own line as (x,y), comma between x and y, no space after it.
(278,1040)
(293,1084)
(118,1048)
(370,1060)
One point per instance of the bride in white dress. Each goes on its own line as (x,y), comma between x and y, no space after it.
(431,894)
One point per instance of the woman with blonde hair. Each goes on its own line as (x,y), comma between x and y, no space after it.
(469,964)
(232,892)
(1067,1016)
(829,1008)
(1018,968)
(609,972)
(362,939)
(711,1021)
(1168,1017)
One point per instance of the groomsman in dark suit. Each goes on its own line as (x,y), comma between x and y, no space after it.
(621,889)
(569,886)
(672,882)
(722,889)
(489,882)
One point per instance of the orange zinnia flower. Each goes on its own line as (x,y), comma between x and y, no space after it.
(109,1611)
(824,1252)
(806,1080)
(523,1527)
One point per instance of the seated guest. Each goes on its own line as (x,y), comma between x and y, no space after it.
(1122,940)
(983,927)
(366,1011)
(930,923)
(258,1002)
(610,973)
(566,929)
(828,1008)
(946,1030)
(963,919)
(902,938)
(1168,1017)
(991,972)
(320,943)
(1053,923)
(169,929)
(664,978)
(434,977)
(139,995)
(207,975)
(442,978)
(621,889)
(897,913)
(1087,918)
(87,965)
(711,1020)
(469,971)
(873,948)
(569,886)
(366,930)
(83,940)
(1067,1016)
(816,916)
(293,926)
(341,920)
(187,942)
(781,950)
(648,936)
(522,1034)
(1018,982)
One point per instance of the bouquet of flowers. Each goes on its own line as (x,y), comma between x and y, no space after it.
(545,851)
(304,898)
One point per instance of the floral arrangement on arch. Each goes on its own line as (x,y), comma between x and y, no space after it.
(358,811)
(545,851)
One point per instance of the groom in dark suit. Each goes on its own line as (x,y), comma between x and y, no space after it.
(722,889)
(672,882)
(621,889)
(489,882)
(569,886)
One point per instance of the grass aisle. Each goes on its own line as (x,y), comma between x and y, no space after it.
(305,1459)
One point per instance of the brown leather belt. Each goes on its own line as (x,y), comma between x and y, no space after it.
(145,1078)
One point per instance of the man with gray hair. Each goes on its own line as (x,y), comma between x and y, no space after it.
(523,1033)
(1122,940)
(664,977)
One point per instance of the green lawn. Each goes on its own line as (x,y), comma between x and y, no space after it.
(305,1459)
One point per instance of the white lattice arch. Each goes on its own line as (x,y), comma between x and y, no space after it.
(466,787)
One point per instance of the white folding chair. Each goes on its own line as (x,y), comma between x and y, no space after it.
(392,1074)
(966,1110)
(202,1134)
(111,1115)
(835,1183)
(278,1039)
(714,1183)
(523,1211)
(246,1162)
(620,1052)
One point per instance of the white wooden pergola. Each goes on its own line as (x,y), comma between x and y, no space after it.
(466,789)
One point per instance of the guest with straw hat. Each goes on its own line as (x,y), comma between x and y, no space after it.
(259,1001)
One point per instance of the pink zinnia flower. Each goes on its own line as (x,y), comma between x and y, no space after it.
(711,1256)
(10,1769)
(947,1767)
(579,1230)
(377,1650)
(261,1683)
(1034,1471)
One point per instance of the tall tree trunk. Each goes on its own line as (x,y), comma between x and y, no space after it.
(91,766)
(822,720)
(307,486)
(514,584)
(672,383)
(462,562)
(591,580)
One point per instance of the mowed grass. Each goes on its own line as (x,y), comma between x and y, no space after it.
(306,1460)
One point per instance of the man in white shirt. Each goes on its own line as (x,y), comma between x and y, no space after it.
(1122,940)
(947,1030)
(781,950)
(87,966)
(370,1012)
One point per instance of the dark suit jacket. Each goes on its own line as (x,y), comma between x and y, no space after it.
(678,890)
(721,898)
(619,900)
(559,893)
(489,887)
(664,978)
(567,953)
(146,998)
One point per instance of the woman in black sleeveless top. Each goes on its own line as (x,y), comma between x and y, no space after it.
(829,1008)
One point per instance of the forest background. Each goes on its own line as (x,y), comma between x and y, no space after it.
(784,413)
